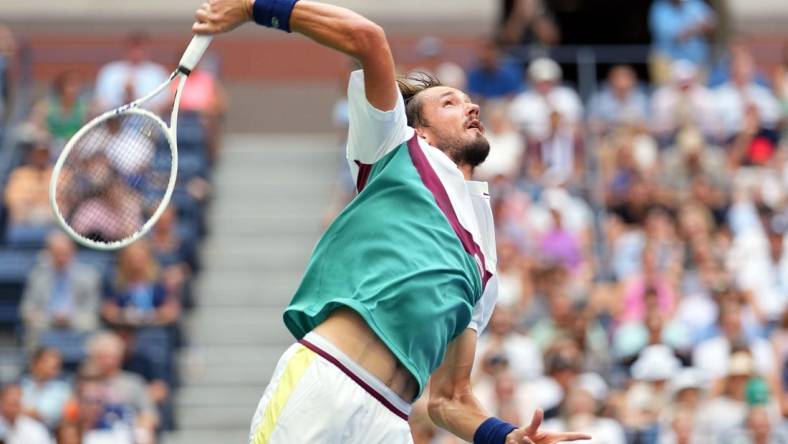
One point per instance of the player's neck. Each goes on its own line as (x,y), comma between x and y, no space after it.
(466,170)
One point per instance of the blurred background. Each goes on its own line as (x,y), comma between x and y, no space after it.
(639,177)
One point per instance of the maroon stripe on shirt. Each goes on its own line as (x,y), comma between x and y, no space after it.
(433,183)
(363,175)
(327,356)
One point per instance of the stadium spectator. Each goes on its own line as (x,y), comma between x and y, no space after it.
(720,73)
(15,426)
(493,76)
(779,340)
(690,162)
(61,293)
(679,30)
(742,99)
(176,254)
(726,411)
(69,433)
(649,395)
(27,196)
(760,428)
(503,342)
(563,362)
(621,102)
(525,22)
(7,54)
(712,355)
(112,213)
(154,367)
(650,290)
(781,88)
(559,245)
(44,392)
(506,156)
(581,413)
(558,157)
(682,103)
(123,395)
(532,110)
(125,80)
(139,297)
(64,111)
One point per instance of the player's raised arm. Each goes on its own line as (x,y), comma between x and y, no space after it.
(332,26)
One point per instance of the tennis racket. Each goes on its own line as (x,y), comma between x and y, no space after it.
(115,176)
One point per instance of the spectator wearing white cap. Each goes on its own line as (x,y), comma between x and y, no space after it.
(531,110)
(678,422)
(682,103)
(649,395)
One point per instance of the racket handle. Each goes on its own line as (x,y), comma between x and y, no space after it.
(194,53)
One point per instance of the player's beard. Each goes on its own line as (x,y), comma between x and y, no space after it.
(467,152)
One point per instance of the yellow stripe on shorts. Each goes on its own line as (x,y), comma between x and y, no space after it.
(296,367)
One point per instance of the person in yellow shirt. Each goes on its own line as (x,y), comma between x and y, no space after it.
(26,196)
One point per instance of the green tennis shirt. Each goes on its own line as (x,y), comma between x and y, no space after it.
(395,257)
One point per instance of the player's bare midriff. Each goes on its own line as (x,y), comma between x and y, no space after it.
(351,334)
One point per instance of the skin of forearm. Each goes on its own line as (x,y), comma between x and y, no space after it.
(337,28)
(460,415)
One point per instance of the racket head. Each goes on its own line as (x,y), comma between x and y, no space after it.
(77,152)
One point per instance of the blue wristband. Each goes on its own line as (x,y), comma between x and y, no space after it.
(492,431)
(273,13)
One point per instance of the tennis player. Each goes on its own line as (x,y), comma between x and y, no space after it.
(403,280)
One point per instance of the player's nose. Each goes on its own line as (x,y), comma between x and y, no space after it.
(473,110)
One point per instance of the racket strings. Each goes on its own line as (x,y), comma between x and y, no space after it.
(114,177)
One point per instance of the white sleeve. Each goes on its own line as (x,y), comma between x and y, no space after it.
(484,307)
(372,133)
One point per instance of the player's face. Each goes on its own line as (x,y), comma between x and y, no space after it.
(453,125)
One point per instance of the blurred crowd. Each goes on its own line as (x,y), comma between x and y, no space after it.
(642,235)
(99,331)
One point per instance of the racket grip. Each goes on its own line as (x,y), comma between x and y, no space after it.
(194,53)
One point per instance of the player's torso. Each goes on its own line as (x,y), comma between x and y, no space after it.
(410,253)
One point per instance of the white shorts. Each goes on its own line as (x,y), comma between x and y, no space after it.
(317,394)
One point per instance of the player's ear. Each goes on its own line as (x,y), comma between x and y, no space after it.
(421,133)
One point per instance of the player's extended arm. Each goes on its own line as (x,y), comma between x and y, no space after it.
(332,26)
(453,406)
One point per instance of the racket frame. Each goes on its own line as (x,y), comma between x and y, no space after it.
(191,56)
(170,133)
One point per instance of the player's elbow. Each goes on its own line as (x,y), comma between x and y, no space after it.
(436,408)
(442,403)
(368,39)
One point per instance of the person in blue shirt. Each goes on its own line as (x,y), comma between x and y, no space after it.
(493,77)
(679,30)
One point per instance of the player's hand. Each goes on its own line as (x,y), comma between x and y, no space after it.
(532,435)
(215,16)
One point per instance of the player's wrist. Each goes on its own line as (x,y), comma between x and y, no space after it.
(273,13)
(493,431)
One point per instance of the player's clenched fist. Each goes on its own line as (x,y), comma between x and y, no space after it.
(532,434)
(215,16)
